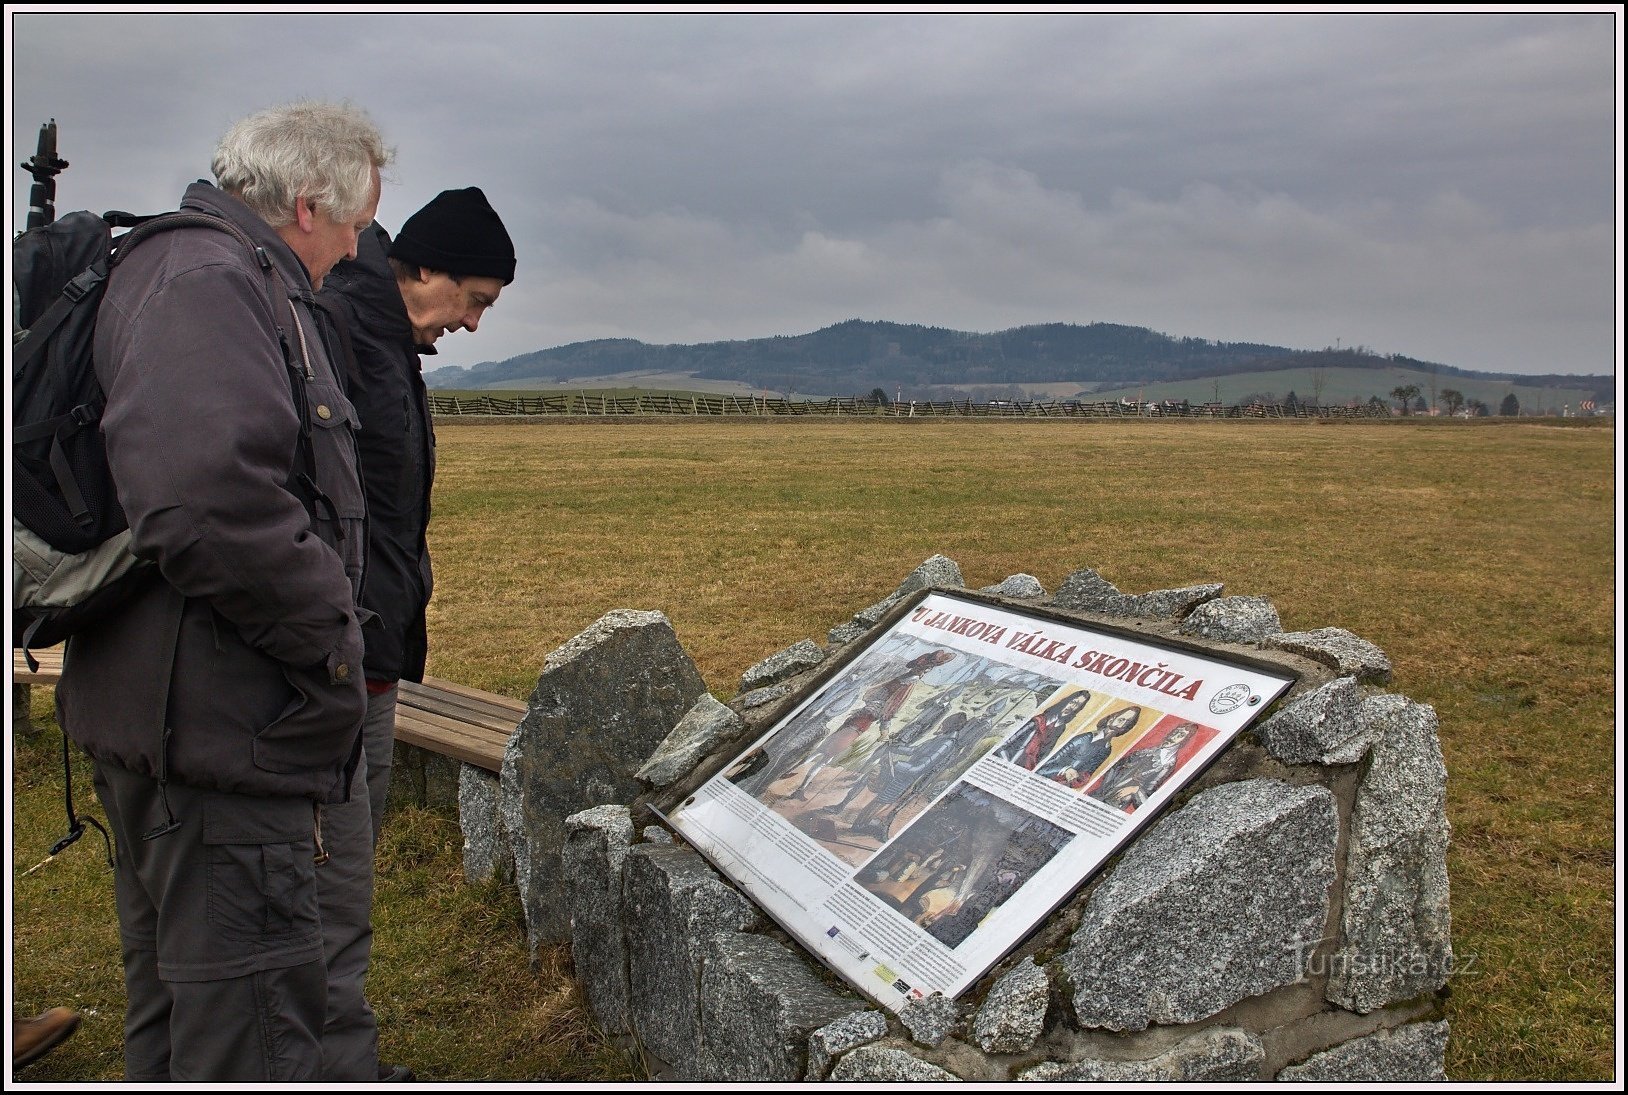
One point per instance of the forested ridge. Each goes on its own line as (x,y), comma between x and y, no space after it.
(856,356)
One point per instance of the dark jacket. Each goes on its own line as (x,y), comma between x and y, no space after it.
(245,655)
(397,444)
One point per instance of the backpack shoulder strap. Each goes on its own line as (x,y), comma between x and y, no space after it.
(78,288)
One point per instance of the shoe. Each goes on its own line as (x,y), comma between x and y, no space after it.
(395,1074)
(33,1038)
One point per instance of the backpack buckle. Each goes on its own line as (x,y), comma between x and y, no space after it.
(83,282)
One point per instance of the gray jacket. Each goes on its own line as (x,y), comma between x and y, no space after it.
(240,670)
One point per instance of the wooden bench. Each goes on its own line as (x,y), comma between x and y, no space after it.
(456,721)
(452,720)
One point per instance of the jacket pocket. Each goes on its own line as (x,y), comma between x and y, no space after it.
(317,728)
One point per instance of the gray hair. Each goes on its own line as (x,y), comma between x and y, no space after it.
(325,152)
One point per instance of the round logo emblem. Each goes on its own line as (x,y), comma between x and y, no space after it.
(1230,698)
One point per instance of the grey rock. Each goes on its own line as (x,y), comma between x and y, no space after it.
(486,852)
(863,620)
(604,701)
(596,845)
(655,834)
(870,616)
(846,633)
(675,906)
(1173,604)
(1014,1012)
(759,1005)
(1086,589)
(886,1065)
(1025,587)
(795,659)
(422,778)
(1218,1055)
(757,697)
(1335,647)
(1090,592)
(1215,904)
(1233,620)
(1395,924)
(705,727)
(1323,726)
(930,1019)
(1415,1053)
(834,1039)
(939,572)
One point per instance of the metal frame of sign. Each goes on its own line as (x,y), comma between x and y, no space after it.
(957,775)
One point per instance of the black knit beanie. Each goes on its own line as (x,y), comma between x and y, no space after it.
(457,233)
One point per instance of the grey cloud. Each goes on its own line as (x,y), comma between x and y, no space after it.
(1436,185)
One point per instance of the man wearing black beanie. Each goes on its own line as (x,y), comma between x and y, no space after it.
(446,266)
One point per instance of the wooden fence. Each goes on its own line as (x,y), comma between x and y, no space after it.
(582,405)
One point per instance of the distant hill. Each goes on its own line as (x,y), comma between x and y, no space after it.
(857,356)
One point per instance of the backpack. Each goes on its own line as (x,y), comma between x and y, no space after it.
(71,560)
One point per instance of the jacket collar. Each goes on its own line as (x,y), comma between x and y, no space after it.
(207,198)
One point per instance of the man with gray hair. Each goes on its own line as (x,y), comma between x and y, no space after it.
(222,705)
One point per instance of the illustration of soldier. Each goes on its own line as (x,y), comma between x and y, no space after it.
(1040,734)
(946,734)
(906,772)
(1076,761)
(1149,764)
(786,752)
(782,753)
(851,743)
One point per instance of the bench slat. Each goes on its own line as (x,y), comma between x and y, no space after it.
(493,710)
(471,745)
(491,715)
(429,716)
(454,720)
(49,672)
(439,718)
(480,697)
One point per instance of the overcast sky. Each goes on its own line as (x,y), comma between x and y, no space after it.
(1439,185)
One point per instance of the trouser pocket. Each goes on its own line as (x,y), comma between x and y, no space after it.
(262,875)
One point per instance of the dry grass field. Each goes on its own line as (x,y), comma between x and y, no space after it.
(1481,559)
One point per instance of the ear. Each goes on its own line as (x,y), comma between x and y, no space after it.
(304,215)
